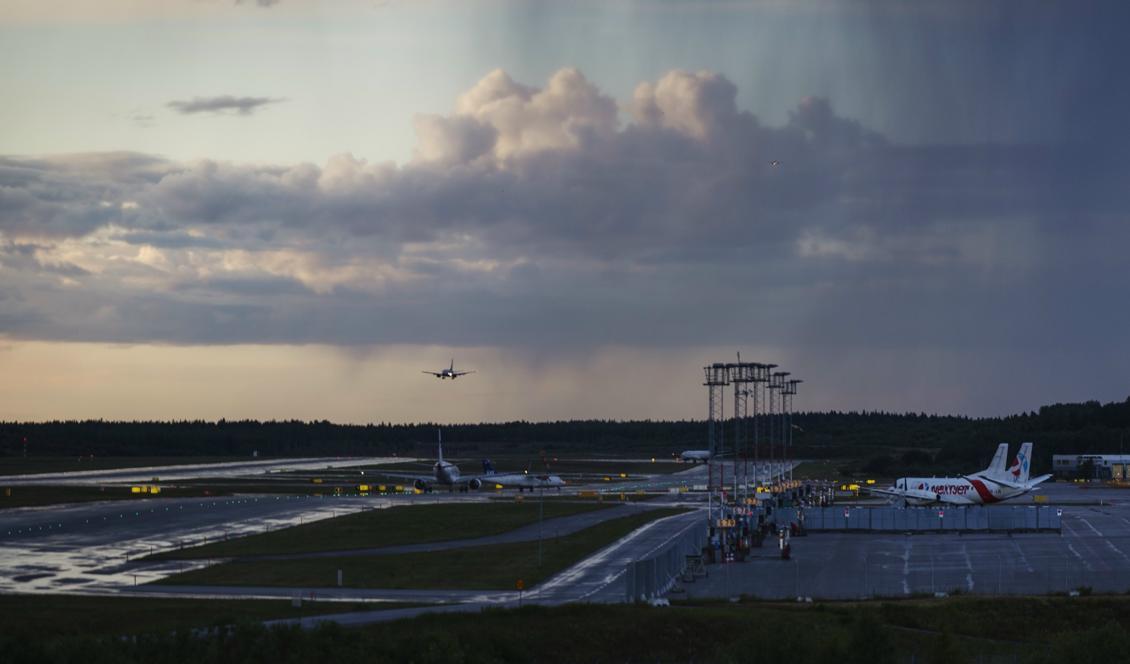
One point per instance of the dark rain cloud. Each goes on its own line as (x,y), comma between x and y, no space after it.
(538,217)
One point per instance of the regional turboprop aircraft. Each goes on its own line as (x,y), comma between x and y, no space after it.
(694,456)
(445,473)
(520,481)
(991,485)
(449,372)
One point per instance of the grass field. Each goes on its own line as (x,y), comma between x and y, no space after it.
(952,630)
(820,470)
(471,568)
(81,614)
(411,524)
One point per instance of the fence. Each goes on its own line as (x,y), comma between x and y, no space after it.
(1026,518)
(654,575)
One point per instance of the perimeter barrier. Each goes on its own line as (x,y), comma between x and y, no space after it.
(653,576)
(1019,518)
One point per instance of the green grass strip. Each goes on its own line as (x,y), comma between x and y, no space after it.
(408,524)
(473,568)
(42,615)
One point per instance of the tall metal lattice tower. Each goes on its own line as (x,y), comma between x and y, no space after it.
(787,394)
(741,375)
(717,378)
(776,422)
(760,379)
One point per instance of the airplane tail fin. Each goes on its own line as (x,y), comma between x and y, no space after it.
(997,467)
(439,444)
(488,467)
(1022,464)
(452,367)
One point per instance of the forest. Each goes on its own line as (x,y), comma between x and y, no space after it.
(876,440)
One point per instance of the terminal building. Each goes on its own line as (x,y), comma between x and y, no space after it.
(1091,466)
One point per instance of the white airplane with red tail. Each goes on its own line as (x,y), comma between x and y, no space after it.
(992,485)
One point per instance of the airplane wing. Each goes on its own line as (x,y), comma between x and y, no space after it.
(434,373)
(463,373)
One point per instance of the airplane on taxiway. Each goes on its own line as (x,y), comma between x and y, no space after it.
(694,456)
(446,474)
(992,485)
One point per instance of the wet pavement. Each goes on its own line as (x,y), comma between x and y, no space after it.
(88,546)
(236,469)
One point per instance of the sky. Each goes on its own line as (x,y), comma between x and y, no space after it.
(282,209)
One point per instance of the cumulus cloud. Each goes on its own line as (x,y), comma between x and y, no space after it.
(552,216)
(503,119)
(222,103)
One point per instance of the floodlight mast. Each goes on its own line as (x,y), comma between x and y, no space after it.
(776,422)
(717,378)
(788,393)
(760,377)
(741,375)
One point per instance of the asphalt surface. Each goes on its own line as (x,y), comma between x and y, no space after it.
(88,546)
(93,547)
(1093,551)
(231,469)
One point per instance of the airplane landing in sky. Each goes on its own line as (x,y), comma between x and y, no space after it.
(448,372)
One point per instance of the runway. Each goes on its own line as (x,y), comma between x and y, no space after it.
(237,469)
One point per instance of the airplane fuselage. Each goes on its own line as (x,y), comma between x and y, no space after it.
(446,473)
(954,491)
(523,481)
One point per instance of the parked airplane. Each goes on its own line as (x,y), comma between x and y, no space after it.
(694,456)
(448,372)
(991,485)
(445,473)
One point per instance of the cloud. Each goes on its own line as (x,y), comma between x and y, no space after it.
(553,218)
(222,103)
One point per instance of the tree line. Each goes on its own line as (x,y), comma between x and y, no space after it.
(934,442)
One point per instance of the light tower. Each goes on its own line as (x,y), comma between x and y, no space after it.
(776,417)
(788,393)
(717,378)
(741,374)
(760,379)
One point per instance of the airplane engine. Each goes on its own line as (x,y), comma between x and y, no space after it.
(420,485)
(475,484)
